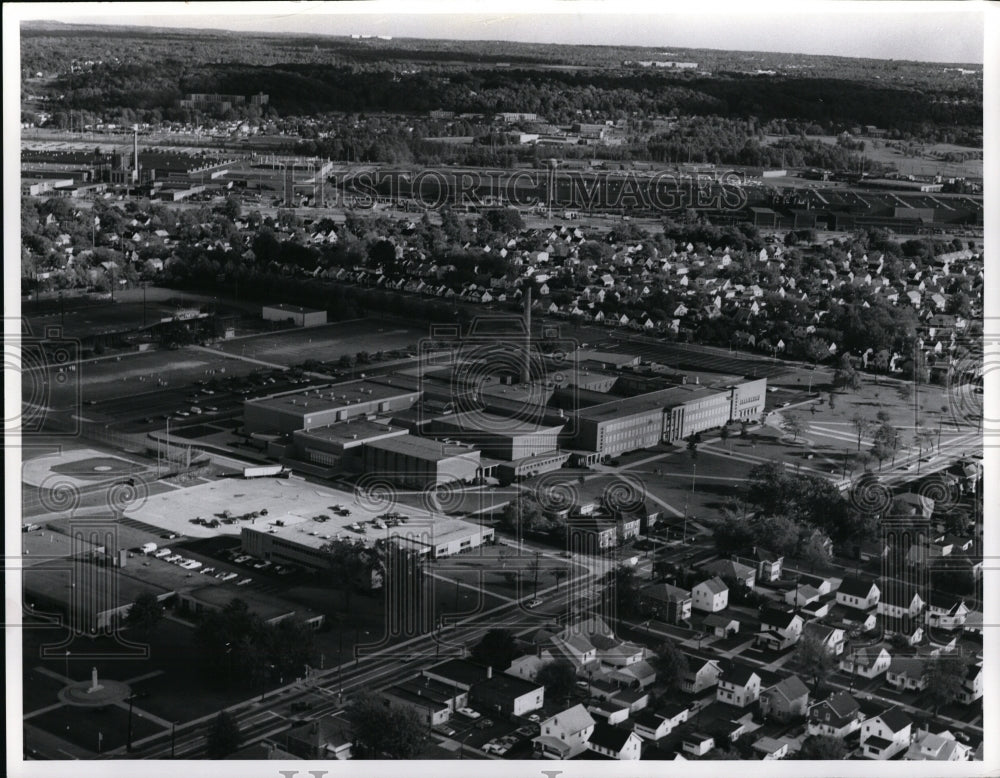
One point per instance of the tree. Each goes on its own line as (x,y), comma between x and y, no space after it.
(526,514)
(945,675)
(845,376)
(815,549)
(560,574)
(558,678)
(692,445)
(833,401)
(223,738)
(497,649)
(232,209)
(383,731)
(861,426)
(724,434)
(905,391)
(732,534)
(885,443)
(779,534)
(813,659)
(792,425)
(626,591)
(822,747)
(145,613)
(671,665)
(346,561)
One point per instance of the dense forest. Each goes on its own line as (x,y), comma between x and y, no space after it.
(108,70)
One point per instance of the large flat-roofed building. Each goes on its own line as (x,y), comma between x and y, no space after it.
(302,543)
(325,406)
(301,317)
(666,415)
(270,609)
(497,436)
(340,445)
(420,462)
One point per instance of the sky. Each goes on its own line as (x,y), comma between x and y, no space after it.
(925,31)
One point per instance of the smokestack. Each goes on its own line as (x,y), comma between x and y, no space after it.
(135,154)
(526,377)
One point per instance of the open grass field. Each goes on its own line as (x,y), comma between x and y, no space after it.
(925,163)
(325,343)
(130,375)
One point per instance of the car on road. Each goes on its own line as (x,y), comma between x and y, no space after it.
(784,404)
(245,581)
(226,576)
(534,603)
(484,723)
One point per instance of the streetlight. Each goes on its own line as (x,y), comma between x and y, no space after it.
(128,742)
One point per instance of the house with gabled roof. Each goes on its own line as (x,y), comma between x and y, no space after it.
(856,592)
(866,661)
(886,735)
(666,602)
(729,569)
(565,734)
(702,673)
(940,747)
(614,742)
(711,595)
(897,603)
(829,636)
(907,673)
(767,563)
(739,685)
(786,700)
(779,629)
(946,611)
(837,716)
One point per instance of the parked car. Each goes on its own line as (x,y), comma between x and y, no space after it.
(470,713)
(484,724)
(534,603)
(245,581)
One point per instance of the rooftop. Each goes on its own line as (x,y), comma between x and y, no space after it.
(355,430)
(645,403)
(331,397)
(424,448)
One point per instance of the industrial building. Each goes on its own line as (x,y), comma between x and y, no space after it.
(420,462)
(665,416)
(307,410)
(497,436)
(296,314)
(302,542)
(340,445)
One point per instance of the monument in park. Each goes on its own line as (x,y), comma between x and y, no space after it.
(93,692)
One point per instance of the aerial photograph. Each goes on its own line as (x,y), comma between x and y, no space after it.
(524,387)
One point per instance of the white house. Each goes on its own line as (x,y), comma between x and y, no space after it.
(739,685)
(867,661)
(565,735)
(885,735)
(858,593)
(711,595)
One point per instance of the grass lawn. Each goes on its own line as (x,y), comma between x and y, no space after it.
(84,727)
